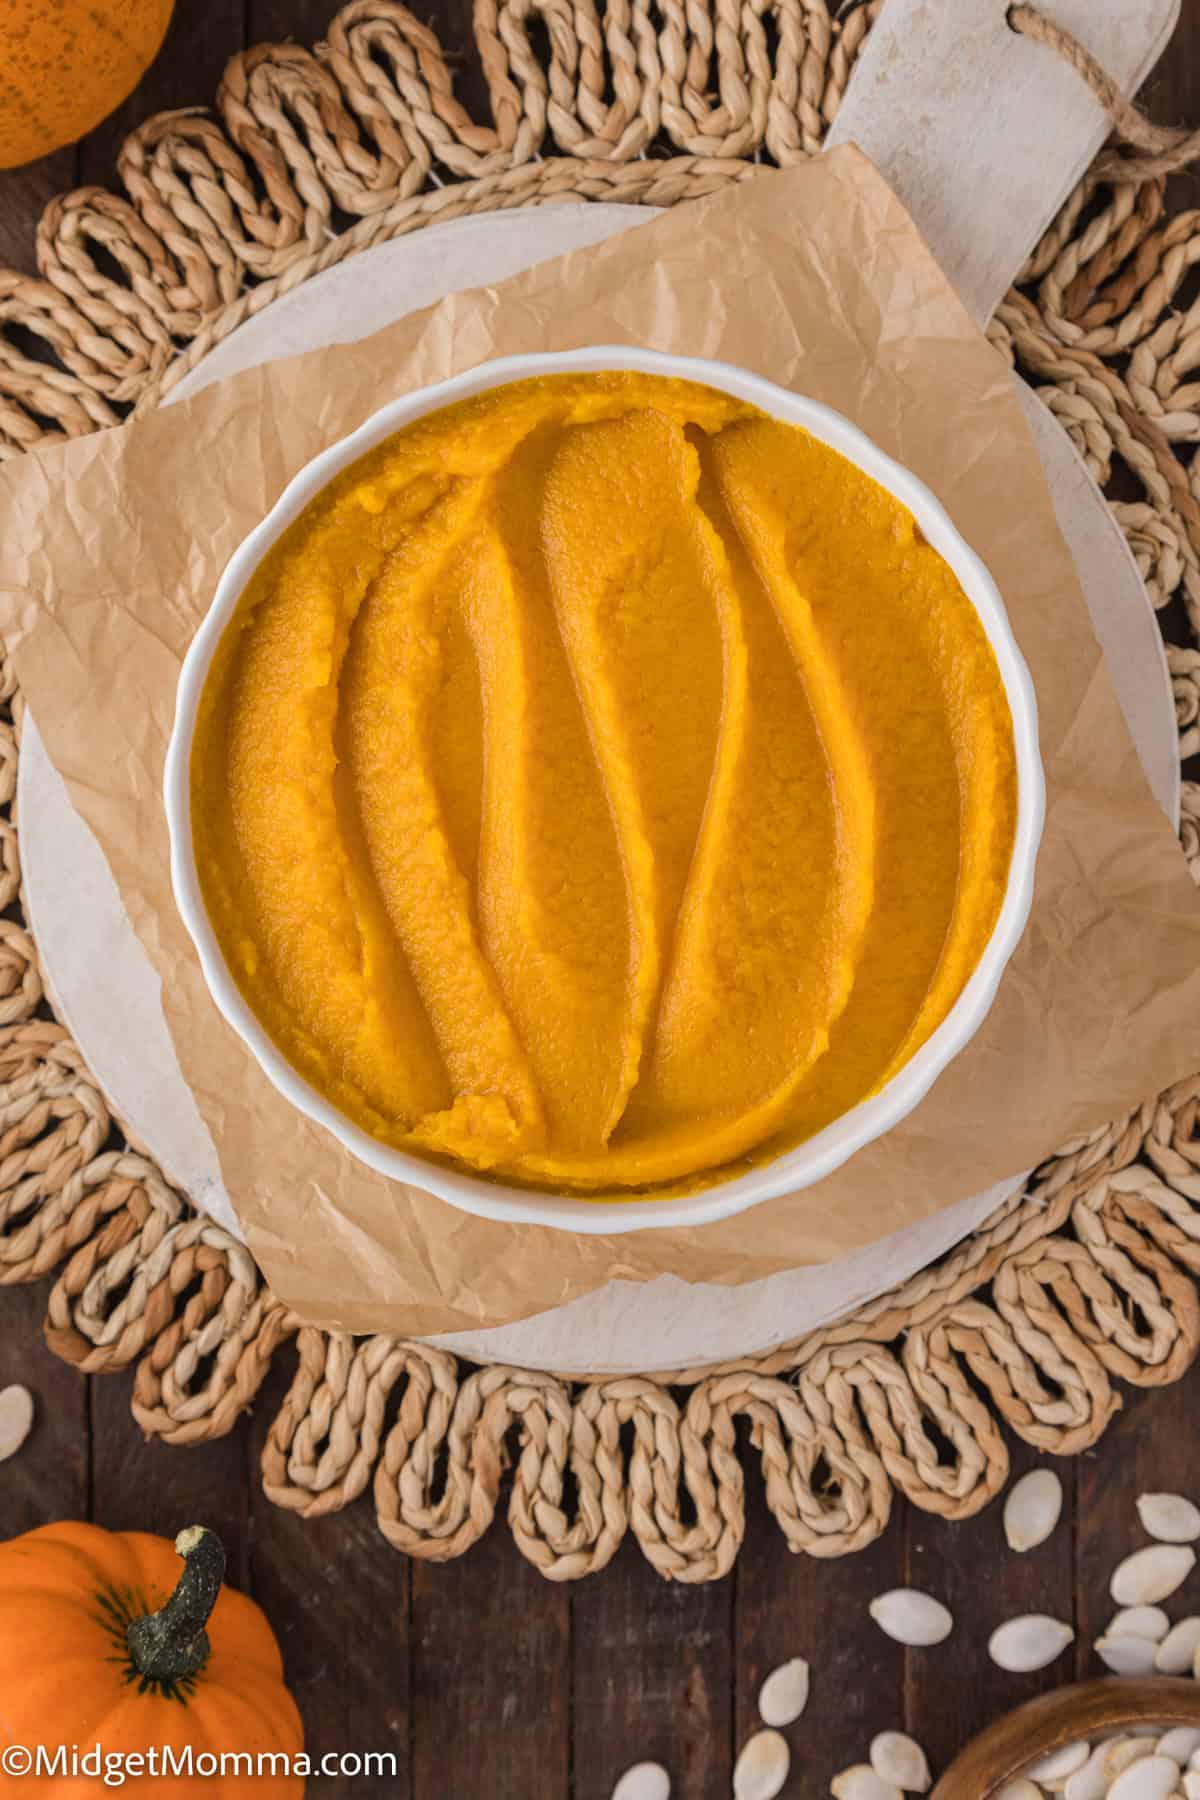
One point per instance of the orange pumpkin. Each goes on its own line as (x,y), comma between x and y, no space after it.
(65,64)
(86,1660)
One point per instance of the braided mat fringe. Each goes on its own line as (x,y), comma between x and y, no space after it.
(1088,1279)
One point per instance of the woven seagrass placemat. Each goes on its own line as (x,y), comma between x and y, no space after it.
(1088,1278)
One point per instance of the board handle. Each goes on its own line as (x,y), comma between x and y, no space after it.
(983,132)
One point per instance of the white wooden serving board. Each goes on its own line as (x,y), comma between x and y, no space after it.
(930,101)
(107,992)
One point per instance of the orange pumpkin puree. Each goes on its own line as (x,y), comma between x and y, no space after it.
(601,784)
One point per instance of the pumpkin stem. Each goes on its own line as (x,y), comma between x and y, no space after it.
(171,1644)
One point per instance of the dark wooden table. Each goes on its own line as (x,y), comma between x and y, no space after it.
(487,1682)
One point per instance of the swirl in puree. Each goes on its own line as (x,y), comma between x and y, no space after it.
(601,785)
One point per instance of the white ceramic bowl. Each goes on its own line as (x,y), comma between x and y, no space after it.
(821,1154)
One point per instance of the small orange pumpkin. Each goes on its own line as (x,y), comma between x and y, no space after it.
(65,65)
(97,1651)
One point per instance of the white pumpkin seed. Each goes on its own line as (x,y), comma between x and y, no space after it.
(1028,1643)
(1191,1784)
(1169,1518)
(1152,1574)
(1060,1763)
(16,1419)
(1126,1655)
(645,1781)
(1020,1789)
(762,1768)
(1153,1778)
(862,1783)
(897,1758)
(1176,1655)
(1032,1509)
(1123,1751)
(784,1694)
(1139,1621)
(1090,1782)
(1180,1743)
(912,1617)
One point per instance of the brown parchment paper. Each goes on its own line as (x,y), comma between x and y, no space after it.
(110,550)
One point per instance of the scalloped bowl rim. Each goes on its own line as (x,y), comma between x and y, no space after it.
(819,1155)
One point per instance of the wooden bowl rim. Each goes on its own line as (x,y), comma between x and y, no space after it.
(1086,1709)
